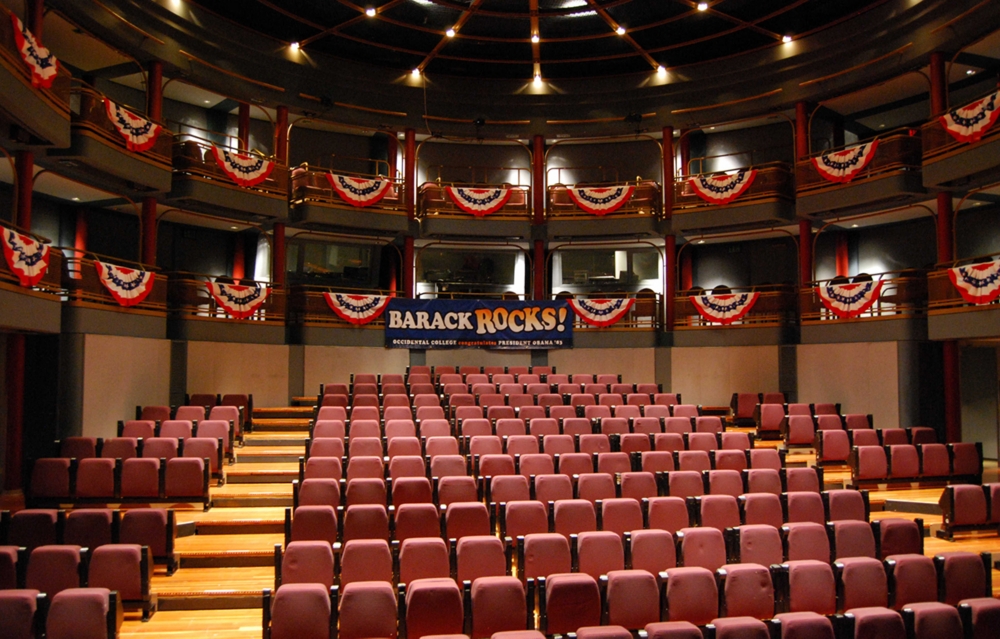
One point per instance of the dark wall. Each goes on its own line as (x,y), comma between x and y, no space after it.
(772,261)
(329,149)
(743,148)
(976,230)
(453,161)
(195,249)
(879,249)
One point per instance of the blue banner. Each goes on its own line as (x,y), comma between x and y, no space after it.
(502,324)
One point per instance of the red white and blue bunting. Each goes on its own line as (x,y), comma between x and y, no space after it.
(724,309)
(359,192)
(977,283)
(27,258)
(243,168)
(843,165)
(601,313)
(478,202)
(239,301)
(849,300)
(356,309)
(601,200)
(43,64)
(971,122)
(140,134)
(723,189)
(128,286)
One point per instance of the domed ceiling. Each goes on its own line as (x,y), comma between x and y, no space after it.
(527,38)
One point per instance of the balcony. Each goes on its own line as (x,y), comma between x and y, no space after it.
(769,200)
(34,308)
(951,164)
(312,321)
(32,116)
(640,327)
(773,318)
(90,308)
(316,204)
(891,178)
(195,315)
(638,215)
(951,316)
(98,153)
(441,216)
(200,184)
(898,313)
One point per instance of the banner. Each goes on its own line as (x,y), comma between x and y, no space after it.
(723,189)
(27,258)
(724,309)
(842,166)
(140,134)
(360,192)
(971,122)
(478,202)
(243,168)
(240,302)
(44,66)
(601,200)
(356,309)
(128,286)
(500,324)
(977,283)
(601,313)
(849,300)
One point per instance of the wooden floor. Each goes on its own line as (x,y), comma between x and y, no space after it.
(228,560)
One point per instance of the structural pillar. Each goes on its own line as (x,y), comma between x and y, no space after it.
(281,135)
(243,125)
(278,254)
(843,255)
(805,226)
(154,91)
(154,111)
(148,256)
(410,185)
(239,258)
(24,167)
(669,241)
(538,214)
(392,153)
(35,17)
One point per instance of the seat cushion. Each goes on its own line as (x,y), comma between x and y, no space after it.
(367,609)
(80,613)
(805,625)
(740,628)
(433,607)
(985,616)
(572,600)
(300,610)
(933,620)
(877,623)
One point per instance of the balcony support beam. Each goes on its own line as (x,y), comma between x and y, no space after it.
(408,270)
(243,125)
(148,231)
(278,254)
(281,135)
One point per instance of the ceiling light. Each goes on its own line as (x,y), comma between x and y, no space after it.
(538,79)
(786,39)
(534,38)
(370,12)
(881,126)
(702,6)
(450,33)
(661,70)
(854,226)
(416,72)
(75,199)
(970,72)
(711,128)
(701,241)
(620,30)
(234,227)
(208,102)
(294,46)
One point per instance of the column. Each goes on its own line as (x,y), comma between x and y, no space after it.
(154,111)
(154,90)
(805,226)
(281,135)
(538,213)
(408,288)
(410,185)
(239,258)
(278,254)
(843,255)
(243,125)
(670,241)
(35,17)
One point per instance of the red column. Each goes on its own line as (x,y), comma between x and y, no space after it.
(148,231)
(392,153)
(154,90)
(538,288)
(667,158)
(278,254)
(801,130)
(281,135)
(843,255)
(538,179)
(670,279)
(80,239)
(939,84)
(410,174)
(24,166)
(805,226)
(408,289)
(687,276)
(239,258)
(35,16)
(243,125)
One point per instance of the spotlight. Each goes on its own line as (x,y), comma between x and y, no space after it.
(370,12)
(538,79)
(661,70)
(416,72)
(450,33)
(534,38)
(294,46)
(701,241)
(854,226)
(620,30)
(970,72)
(702,6)
(786,39)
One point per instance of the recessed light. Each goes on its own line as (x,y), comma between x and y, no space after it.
(620,30)
(294,46)
(970,72)
(786,39)
(538,79)
(234,227)
(370,12)
(75,199)
(881,126)
(208,102)
(702,6)
(854,226)
(701,241)
(661,70)
(450,33)
(534,38)
(415,73)
(711,128)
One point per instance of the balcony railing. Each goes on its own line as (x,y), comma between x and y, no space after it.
(645,200)
(943,297)
(93,118)
(646,313)
(193,156)
(773,181)
(51,282)
(58,94)
(306,306)
(83,284)
(433,201)
(897,151)
(188,298)
(776,306)
(903,294)
(310,184)
(938,142)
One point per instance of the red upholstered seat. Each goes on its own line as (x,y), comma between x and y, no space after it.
(834,446)
(438,444)
(668,442)
(480,556)
(417,520)
(307,562)
(482,444)
(8,567)
(449,466)
(467,518)
(693,460)
(746,590)
(314,523)
(404,447)
(897,537)
(685,483)
(367,609)
(673,630)
(805,506)
(423,558)
(633,598)
(180,428)
(152,527)
(81,613)
(498,604)
(806,540)
(119,567)
(862,582)
(364,491)
(877,623)
(765,458)
(120,448)
(718,511)
(160,447)
(575,463)
(456,489)
(846,504)
(18,609)
(701,441)
(536,464)
(433,608)
(411,490)
(525,518)
(801,430)
(692,595)
(740,628)
(301,610)
(801,479)
(637,485)
(507,488)
(52,569)
(554,445)
(667,513)
(572,600)
(725,482)
(185,477)
(407,466)
(366,521)
(759,544)
(852,539)
(761,508)
(595,486)
(545,554)
(203,448)
(703,547)
(365,560)
(78,447)
(811,587)
(95,478)
(805,625)
(573,516)
(677,424)
(50,478)
(593,443)
(872,463)
(763,480)
(652,550)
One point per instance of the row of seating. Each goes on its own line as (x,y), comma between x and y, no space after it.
(135,434)
(155,528)
(125,568)
(769,418)
(800,430)
(180,429)
(94,613)
(56,481)
(834,446)
(960,463)
(483,385)
(335,491)
(801,596)
(743,406)
(514,401)
(969,507)
(243,403)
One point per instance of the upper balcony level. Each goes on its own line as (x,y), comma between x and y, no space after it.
(348,196)
(115,147)
(882,172)
(754,196)
(34,97)
(964,298)
(30,281)
(604,205)
(487,202)
(218,179)
(207,308)
(961,149)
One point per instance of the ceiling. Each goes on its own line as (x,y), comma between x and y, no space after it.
(494,38)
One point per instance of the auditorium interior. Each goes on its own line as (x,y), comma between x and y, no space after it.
(769,230)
